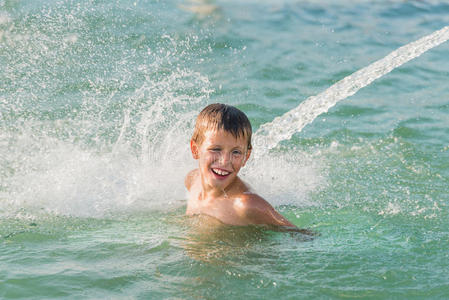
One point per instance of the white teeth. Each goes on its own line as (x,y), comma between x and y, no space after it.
(220,172)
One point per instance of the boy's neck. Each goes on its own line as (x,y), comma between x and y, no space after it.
(210,193)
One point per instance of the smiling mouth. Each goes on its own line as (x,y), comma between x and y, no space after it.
(221,173)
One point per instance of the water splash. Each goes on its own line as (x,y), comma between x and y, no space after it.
(282,128)
(105,131)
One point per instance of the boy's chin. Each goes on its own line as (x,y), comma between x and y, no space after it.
(220,183)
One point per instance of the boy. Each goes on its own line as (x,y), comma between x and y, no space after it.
(221,143)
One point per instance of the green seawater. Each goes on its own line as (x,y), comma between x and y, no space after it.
(97,104)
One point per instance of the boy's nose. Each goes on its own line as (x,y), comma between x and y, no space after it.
(225,158)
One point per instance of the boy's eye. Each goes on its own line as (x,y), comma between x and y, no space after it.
(237,152)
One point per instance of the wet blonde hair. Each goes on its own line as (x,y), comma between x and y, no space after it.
(220,116)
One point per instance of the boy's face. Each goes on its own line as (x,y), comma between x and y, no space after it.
(220,157)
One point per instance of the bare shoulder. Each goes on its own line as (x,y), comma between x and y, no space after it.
(260,211)
(190,178)
(254,201)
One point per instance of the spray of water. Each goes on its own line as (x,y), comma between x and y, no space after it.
(75,141)
(282,128)
(88,130)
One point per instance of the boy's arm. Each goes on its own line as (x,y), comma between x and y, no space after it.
(190,177)
(260,212)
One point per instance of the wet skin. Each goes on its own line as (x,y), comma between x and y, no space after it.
(215,188)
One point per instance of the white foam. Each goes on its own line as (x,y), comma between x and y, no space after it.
(4,18)
(286,178)
(62,178)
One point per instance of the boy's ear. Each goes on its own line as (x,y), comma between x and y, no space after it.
(194,149)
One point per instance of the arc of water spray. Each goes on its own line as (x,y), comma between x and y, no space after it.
(283,127)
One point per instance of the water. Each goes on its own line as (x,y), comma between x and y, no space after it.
(97,103)
(282,128)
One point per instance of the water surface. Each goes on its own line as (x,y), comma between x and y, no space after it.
(97,103)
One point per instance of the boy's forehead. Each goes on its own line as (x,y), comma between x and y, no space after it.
(222,135)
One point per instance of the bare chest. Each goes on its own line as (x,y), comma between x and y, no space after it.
(224,209)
